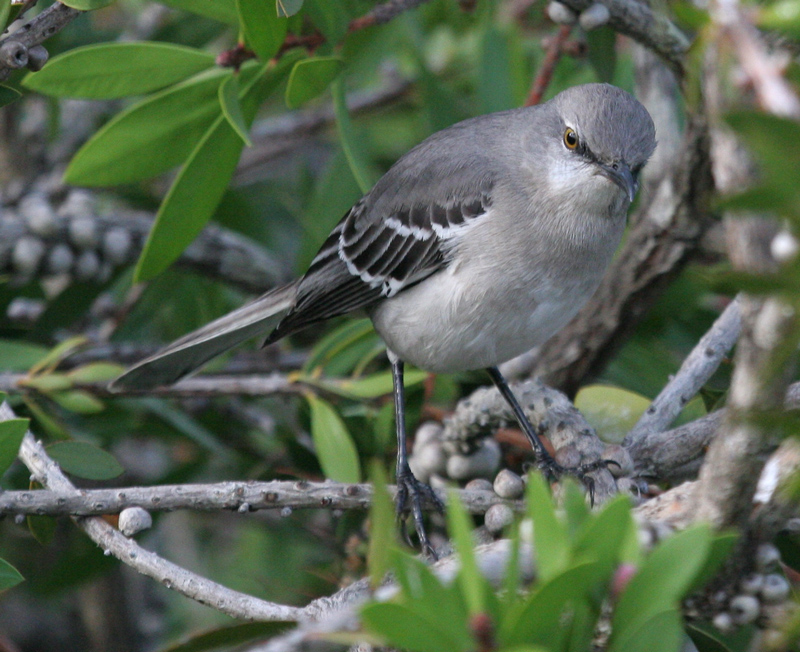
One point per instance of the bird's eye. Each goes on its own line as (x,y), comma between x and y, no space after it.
(570,138)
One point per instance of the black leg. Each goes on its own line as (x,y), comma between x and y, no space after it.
(546,462)
(407,485)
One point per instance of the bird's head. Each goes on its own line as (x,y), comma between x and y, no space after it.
(599,138)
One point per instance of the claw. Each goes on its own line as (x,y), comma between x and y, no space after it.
(409,487)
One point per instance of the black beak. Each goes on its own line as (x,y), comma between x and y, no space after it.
(620,173)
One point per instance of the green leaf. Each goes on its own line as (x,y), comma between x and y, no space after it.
(9,576)
(721,547)
(288,7)
(5,13)
(332,353)
(85,460)
(48,382)
(472,582)
(42,528)
(423,593)
(661,632)
(78,401)
(87,5)
(152,136)
(264,30)
(227,637)
(59,353)
(374,386)
(8,95)
(550,540)
(335,449)
(309,78)
(612,411)
(20,356)
(537,620)
(403,628)
(110,70)
(603,536)
(232,109)
(330,18)
(223,11)
(51,425)
(783,15)
(603,53)
(202,181)
(96,372)
(662,580)
(11,434)
(495,69)
(354,148)
(381,530)
(708,638)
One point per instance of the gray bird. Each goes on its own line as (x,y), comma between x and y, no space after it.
(477,245)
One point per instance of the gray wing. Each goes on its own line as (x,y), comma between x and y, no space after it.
(407,226)
(375,252)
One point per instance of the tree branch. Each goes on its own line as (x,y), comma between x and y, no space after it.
(233,496)
(238,605)
(695,371)
(637,20)
(48,23)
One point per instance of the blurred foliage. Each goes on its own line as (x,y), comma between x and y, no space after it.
(583,560)
(180,123)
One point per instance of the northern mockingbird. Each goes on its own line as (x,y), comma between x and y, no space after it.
(477,245)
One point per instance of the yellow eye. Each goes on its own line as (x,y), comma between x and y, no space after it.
(570,138)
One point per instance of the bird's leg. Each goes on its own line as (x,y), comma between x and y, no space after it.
(407,485)
(546,462)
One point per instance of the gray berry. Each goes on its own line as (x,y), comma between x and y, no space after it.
(428,460)
(79,203)
(133,520)
(87,266)
(723,622)
(744,609)
(60,259)
(775,589)
(27,255)
(117,245)
(752,583)
(767,556)
(37,57)
(483,463)
(508,484)
(561,14)
(38,214)
(479,484)
(428,432)
(594,16)
(83,232)
(498,517)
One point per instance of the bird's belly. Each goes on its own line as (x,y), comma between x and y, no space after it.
(457,321)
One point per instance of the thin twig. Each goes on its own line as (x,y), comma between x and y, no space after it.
(695,371)
(551,57)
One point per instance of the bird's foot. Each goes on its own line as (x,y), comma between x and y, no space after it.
(553,471)
(408,487)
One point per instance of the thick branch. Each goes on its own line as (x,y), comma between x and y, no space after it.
(234,496)
(637,20)
(51,21)
(695,371)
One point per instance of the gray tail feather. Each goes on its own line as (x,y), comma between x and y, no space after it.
(190,352)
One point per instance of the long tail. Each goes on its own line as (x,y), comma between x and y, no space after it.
(190,352)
